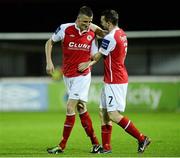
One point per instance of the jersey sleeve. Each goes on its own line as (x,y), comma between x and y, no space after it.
(108,44)
(58,35)
(94,47)
(60,32)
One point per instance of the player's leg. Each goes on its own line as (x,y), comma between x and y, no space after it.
(126,124)
(68,125)
(70,116)
(116,102)
(120,91)
(69,122)
(129,127)
(81,87)
(87,124)
(70,113)
(106,125)
(106,131)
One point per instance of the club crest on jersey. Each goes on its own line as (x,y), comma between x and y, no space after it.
(105,44)
(72,35)
(89,37)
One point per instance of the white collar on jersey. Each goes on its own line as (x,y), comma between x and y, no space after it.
(81,32)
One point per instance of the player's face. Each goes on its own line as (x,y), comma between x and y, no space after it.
(104,23)
(83,22)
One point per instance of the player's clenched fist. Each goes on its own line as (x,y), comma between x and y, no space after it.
(49,68)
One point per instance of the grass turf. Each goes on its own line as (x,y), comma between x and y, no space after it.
(28,134)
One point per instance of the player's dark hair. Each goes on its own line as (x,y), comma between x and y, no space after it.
(85,11)
(111,16)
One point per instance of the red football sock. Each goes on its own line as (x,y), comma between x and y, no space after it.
(87,125)
(129,127)
(68,125)
(106,131)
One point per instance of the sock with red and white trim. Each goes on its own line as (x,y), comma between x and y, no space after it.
(129,127)
(87,125)
(68,125)
(106,131)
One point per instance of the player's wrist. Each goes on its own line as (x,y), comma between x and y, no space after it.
(92,62)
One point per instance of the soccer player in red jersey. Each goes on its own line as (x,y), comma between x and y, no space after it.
(113,96)
(78,45)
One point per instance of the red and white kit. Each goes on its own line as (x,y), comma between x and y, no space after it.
(114,49)
(77,47)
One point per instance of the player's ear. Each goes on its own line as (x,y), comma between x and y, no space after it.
(108,23)
(77,19)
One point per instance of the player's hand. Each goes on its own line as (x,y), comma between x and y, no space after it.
(83,66)
(49,68)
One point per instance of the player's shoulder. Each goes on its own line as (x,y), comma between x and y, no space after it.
(67,24)
(118,32)
(122,32)
(109,37)
(64,26)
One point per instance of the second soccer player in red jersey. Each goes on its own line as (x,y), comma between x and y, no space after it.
(113,97)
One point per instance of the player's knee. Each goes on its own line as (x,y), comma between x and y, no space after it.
(114,116)
(70,110)
(81,107)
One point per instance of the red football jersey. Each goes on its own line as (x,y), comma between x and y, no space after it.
(77,47)
(114,49)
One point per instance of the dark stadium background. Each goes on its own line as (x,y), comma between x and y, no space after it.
(45,15)
(27,16)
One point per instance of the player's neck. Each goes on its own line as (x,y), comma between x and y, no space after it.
(79,29)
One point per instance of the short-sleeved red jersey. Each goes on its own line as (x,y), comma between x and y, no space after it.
(114,49)
(76,48)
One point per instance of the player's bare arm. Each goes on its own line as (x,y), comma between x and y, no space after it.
(48,52)
(98,30)
(83,66)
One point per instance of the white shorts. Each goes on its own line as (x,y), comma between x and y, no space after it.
(78,87)
(113,97)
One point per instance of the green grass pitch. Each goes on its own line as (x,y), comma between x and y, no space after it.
(28,134)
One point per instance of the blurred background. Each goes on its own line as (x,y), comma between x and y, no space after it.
(153,32)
